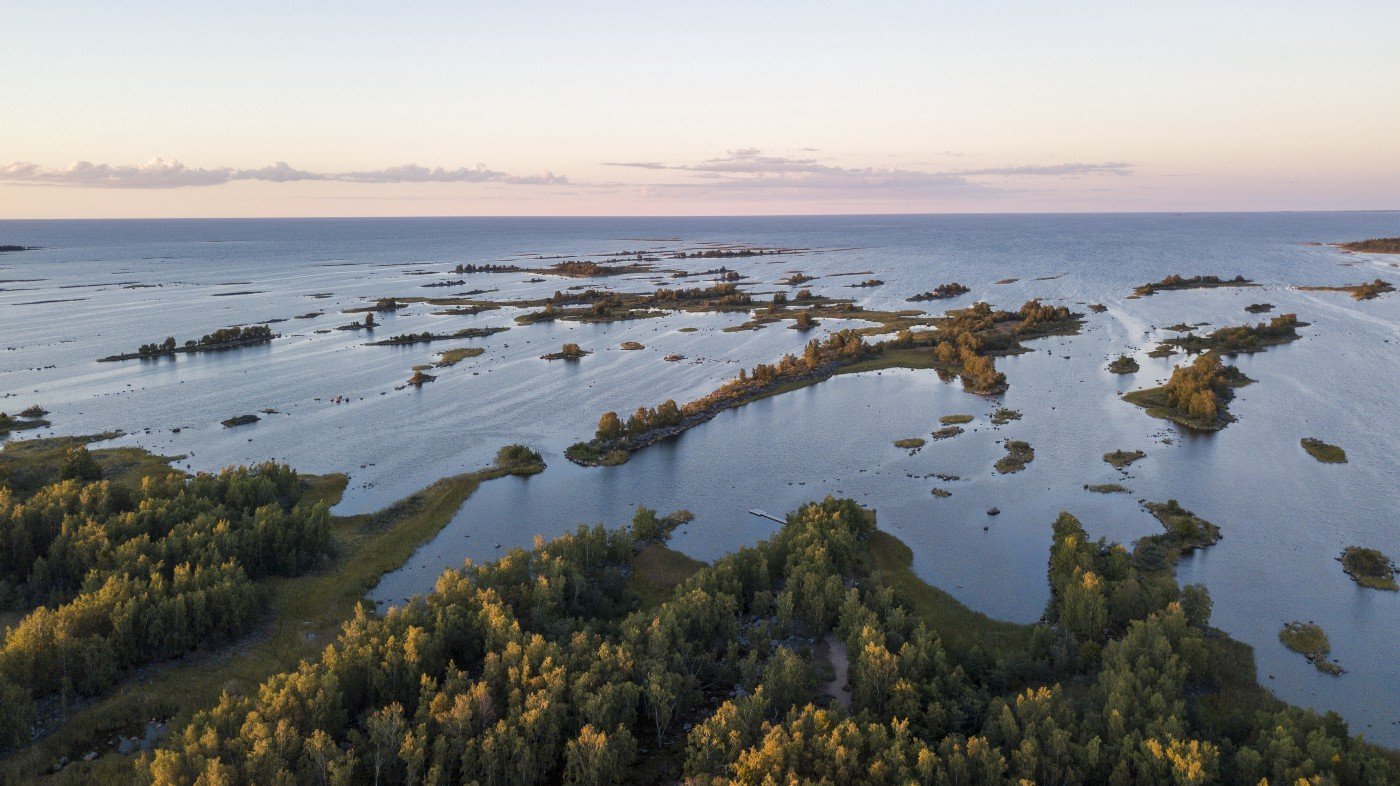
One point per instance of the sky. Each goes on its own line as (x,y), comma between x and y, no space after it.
(308,108)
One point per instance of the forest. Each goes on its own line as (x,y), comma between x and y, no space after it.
(546,667)
(107,576)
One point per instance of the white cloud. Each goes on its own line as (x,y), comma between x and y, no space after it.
(749,170)
(159,173)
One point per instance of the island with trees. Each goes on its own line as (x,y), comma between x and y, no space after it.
(218,341)
(941,292)
(409,339)
(1240,339)
(965,345)
(1379,245)
(1124,364)
(567,352)
(1177,282)
(1197,395)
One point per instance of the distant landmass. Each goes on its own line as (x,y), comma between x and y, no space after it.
(1378,245)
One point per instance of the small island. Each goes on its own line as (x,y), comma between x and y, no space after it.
(941,292)
(1119,459)
(9,249)
(910,443)
(869,282)
(567,352)
(32,417)
(1327,454)
(463,269)
(1308,640)
(240,420)
(1197,395)
(1124,364)
(1259,308)
(408,339)
(219,340)
(1177,282)
(1367,291)
(954,420)
(632,345)
(1002,415)
(1018,455)
(1369,568)
(1239,339)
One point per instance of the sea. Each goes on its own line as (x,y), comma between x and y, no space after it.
(327,402)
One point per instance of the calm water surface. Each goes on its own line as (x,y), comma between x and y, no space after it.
(99,287)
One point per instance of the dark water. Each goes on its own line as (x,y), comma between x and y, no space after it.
(1285,517)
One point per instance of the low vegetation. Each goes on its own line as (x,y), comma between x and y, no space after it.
(1328,454)
(1259,308)
(1124,364)
(1367,291)
(1308,640)
(1018,455)
(30,418)
(909,442)
(952,420)
(1001,416)
(1107,488)
(1123,458)
(1369,568)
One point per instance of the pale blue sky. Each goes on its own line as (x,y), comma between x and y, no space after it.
(796,107)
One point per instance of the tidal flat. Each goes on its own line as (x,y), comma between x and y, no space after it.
(784,449)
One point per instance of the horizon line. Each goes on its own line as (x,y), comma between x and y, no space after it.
(428,217)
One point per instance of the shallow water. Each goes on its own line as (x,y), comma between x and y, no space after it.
(1285,517)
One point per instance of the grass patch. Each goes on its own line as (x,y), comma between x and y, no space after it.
(1327,454)
(1108,488)
(964,633)
(656,572)
(1308,640)
(949,420)
(911,442)
(1123,458)
(1369,568)
(451,357)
